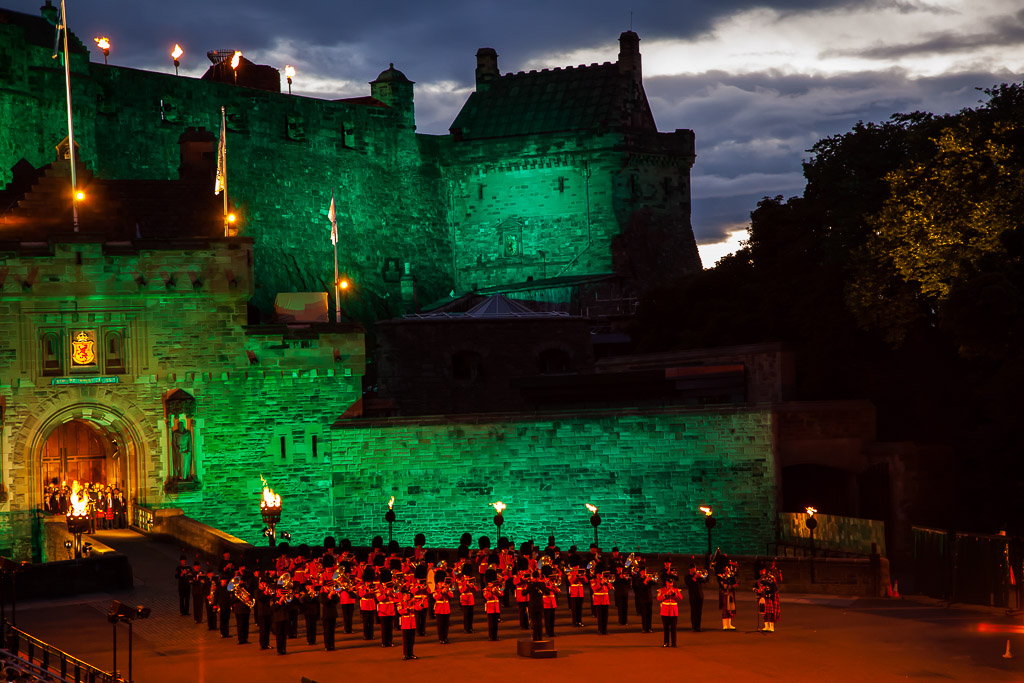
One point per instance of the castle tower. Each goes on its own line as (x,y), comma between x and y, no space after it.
(629,56)
(486,68)
(395,90)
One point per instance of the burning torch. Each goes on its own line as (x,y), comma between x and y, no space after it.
(270,509)
(289,73)
(389,516)
(811,524)
(709,522)
(103,44)
(499,517)
(235,60)
(176,54)
(595,519)
(78,516)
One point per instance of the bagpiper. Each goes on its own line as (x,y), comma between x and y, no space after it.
(725,573)
(767,589)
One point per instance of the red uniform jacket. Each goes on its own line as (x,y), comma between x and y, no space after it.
(576,585)
(385,604)
(668,597)
(599,590)
(466,589)
(491,597)
(366,598)
(522,585)
(442,596)
(551,595)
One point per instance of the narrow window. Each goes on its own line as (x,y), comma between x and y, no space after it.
(315,452)
(114,353)
(51,354)
(284,449)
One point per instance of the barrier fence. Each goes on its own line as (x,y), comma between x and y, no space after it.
(52,660)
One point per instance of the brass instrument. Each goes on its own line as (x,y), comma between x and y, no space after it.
(212,597)
(237,588)
(591,567)
(631,564)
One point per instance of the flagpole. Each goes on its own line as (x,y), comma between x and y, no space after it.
(337,285)
(71,129)
(224,166)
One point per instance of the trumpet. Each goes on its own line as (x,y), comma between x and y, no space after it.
(241,594)
(631,565)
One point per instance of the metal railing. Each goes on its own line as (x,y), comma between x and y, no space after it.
(142,518)
(53,660)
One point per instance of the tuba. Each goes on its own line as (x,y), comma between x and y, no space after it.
(238,590)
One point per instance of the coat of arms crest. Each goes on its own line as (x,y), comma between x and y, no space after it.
(83,349)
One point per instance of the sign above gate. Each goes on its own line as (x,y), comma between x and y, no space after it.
(85,380)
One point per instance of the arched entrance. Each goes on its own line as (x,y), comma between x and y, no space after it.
(91,443)
(79,450)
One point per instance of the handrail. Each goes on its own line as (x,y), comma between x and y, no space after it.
(51,658)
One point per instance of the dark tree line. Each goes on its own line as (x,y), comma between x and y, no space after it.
(898,277)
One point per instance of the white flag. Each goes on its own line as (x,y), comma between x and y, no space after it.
(222,157)
(334,221)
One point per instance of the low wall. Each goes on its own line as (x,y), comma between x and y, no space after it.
(55,534)
(171,525)
(103,573)
(844,534)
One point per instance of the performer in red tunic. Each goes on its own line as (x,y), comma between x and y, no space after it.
(669,597)
(407,622)
(368,602)
(552,578)
(492,602)
(521,581)
(386,608)
(577,579)
(467,586)
(599,592)
(442,595)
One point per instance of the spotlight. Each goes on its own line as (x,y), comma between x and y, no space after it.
(266,532)
(286,536)
(68,545)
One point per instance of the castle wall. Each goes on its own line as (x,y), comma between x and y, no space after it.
(646,471)
(181,313)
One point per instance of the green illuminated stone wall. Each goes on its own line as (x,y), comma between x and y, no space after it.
(646,471)
(182,309)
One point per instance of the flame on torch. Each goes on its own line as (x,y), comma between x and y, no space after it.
(270,499)
(706,510)
(289,71)
(79,500)
(811,511)
(177,52)
(235,59)
(391,503)
(102,43)
(592,508)
(499,507)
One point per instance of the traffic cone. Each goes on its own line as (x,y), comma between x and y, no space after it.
(1007,654)
(895,589)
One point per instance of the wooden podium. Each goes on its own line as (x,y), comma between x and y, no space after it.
(538,649)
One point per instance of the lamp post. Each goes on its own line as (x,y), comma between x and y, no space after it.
(176,54)
(289,73)
(499,517)
(595,520)
(389,517)
(121,612)
(811,524)
(103,44)
(270,510)
(709,522)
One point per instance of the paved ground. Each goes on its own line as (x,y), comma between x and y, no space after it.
(818,639)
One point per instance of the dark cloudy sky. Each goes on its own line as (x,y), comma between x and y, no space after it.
(759,82)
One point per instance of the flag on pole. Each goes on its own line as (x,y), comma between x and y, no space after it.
(333,216)
(222,157)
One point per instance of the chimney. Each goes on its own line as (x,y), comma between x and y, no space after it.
(486,68)
(198,155)
(629,56)
(50,13)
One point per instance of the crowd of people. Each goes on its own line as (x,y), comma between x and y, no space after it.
(391,590)
(105,503)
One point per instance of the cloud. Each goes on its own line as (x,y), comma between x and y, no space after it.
(709,186)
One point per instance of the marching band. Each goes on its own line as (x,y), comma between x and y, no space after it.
(403,592)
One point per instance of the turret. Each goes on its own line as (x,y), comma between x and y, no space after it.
(395,90)
(629,56)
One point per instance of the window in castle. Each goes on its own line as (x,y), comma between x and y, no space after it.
(553,362)
(480,191)
(295,127)
(316,452)
(52,364)
(349,134)
(466,366)
(561,184)
(284,448)
(113,352)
